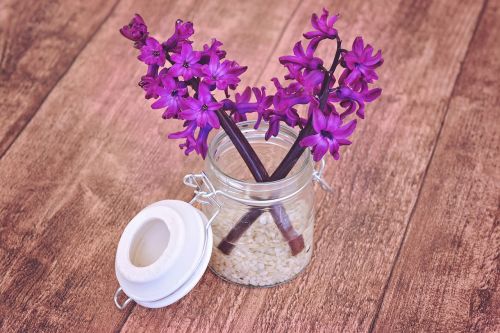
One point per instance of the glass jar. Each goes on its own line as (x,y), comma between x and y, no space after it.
(263,234)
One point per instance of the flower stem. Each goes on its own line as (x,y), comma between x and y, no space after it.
(291,158)
(243,146)
(281,219)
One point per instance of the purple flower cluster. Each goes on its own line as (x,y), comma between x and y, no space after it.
(183,82)
(136,31)
(306,74)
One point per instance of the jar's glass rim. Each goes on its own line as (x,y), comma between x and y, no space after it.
(246,126)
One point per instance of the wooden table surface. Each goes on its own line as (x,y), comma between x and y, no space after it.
(409,241)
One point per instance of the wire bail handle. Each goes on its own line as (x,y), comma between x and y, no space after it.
(198,181)
(117,303)
(318,177)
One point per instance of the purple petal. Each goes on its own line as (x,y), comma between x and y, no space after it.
(212,119)
(320,150)
(310,141)
(319,120)
(346,130)
(357,45)
(373,94)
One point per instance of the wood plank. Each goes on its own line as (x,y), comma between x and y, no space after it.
(92,157)
(447,275)
(86,171)
(38,43)
(361,226)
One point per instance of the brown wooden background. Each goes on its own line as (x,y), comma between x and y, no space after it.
(409,241)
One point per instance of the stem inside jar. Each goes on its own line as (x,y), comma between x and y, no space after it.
(234,178)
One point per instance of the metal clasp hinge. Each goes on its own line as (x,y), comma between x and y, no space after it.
(318,177)
(204,193)
(117,303)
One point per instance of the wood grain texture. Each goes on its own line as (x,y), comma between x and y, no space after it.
(38,43)
(94,155)
(448,273)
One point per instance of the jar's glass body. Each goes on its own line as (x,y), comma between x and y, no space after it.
(278,244)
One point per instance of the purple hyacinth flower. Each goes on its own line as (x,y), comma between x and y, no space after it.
(213,48)
(235,70)
(152,53)
(188,134)
(200,144)
(292,95)
(307,82)
(136,31)
(283,110)
(222,75)
(330,135)
(189,129)
(202,141)
(263,103)
(183,30)
(242,105)
(350,99)
(171,96)
(304,59)
(151,86)
(361,63)
(186,63)
(323,26)
(293,70)
(189,145)
(153,70)
(201,109)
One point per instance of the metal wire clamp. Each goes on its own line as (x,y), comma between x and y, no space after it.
(318,177)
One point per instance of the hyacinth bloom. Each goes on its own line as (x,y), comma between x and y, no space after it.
(136,31)
(283,110)
(188,134)
(301,58)
(263,103)
(242,105)
(323,26)
(186,63)
(350,99)
(201,109)
(183,30)
(308,83)
(189,145)
(283,103)
(151,85)
(235,70)
(361,63)
(171,94)
(222,75)
(199,145)
(152,53)
(209,50)
(330,135)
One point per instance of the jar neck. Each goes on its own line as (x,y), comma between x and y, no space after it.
(224,166)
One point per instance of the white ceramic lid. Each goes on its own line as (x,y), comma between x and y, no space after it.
(163,253)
